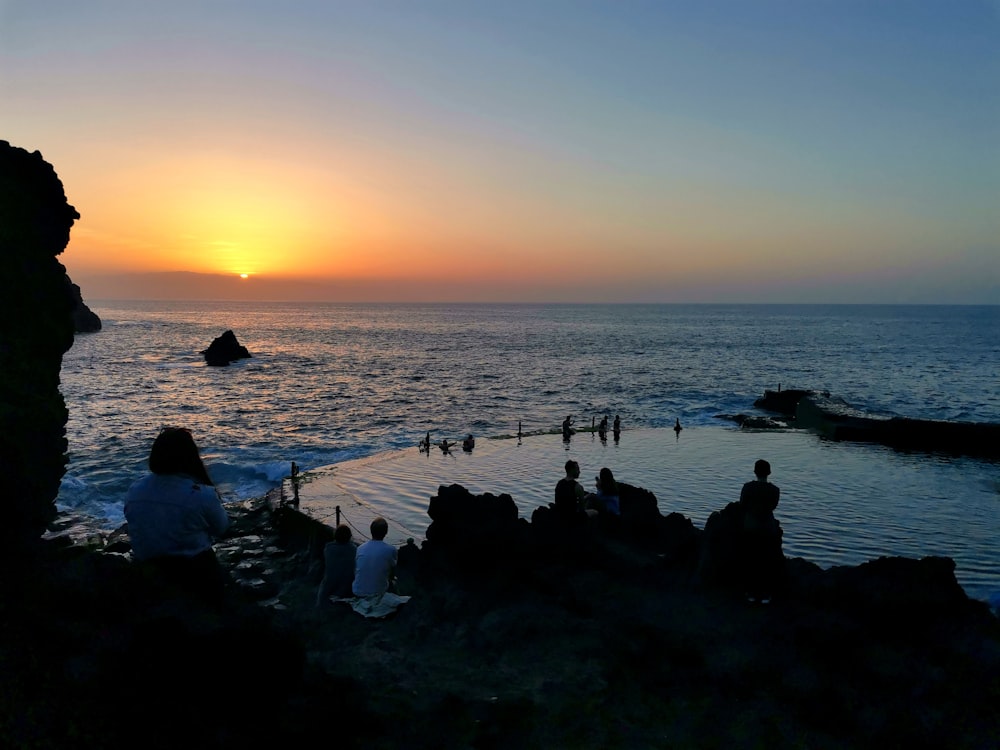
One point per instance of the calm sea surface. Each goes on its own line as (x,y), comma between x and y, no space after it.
(331,383)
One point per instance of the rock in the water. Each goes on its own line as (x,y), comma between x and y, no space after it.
(85,320)
(225,349)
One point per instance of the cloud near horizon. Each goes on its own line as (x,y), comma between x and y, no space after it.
(181,285)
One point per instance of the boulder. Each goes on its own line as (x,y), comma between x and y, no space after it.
(680,540)
(225,349)
(721,559)
(640,513)
(896,586)
(460,519)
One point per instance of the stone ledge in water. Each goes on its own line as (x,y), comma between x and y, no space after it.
(836,419)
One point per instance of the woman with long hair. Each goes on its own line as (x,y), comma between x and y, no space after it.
(605,500)
(174,513)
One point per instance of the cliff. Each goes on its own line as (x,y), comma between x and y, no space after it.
(35,220)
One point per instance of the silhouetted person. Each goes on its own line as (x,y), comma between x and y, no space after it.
(446,447)
(338,573)
(566,427)
(602,428)
(374,563)
(374,575)
(569,495)
(174,513)
(761,534)
(468,444)
(616,426)
(605,499)
(677,426)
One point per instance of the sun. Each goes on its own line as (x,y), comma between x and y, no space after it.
(244,276)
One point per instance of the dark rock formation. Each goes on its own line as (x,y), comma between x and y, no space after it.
(35,221)
(782,402)
(85,320)
(721,558)
(465,529)
(225,349)
(836,419)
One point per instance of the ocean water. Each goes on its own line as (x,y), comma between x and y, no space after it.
(331,383)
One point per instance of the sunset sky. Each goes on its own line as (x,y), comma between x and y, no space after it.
(730,151)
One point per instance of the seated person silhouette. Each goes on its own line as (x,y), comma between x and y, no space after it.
(374,574)
(605,499)
(338,573)
(569,495)
(174,514)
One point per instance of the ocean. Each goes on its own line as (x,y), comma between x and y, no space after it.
(335,383)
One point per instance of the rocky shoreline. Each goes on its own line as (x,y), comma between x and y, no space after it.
(517,635)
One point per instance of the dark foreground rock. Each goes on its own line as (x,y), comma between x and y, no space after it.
(835,419)
(225,349)
(537,635)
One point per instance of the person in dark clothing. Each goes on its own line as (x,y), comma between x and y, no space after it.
(761,538)
(338,575)
(567,426)
(569,494)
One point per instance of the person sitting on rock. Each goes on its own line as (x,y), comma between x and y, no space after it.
(338,574)
(761,538)
(569,494)
(374,573)
(174,513)
(605,499)
(374,563)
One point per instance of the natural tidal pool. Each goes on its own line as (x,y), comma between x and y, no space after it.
(841,503)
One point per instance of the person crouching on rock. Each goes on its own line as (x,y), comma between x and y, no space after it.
(338,573)
(173,514)
(761,534)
